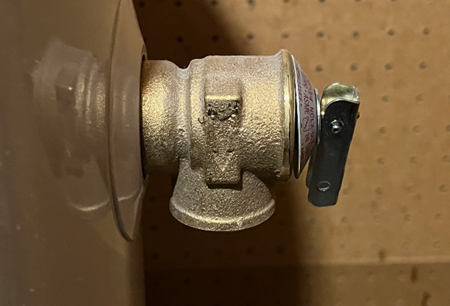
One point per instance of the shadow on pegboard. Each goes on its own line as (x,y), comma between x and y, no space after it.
(185,266)
(180,31)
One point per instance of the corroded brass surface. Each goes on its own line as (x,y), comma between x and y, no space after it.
(225,124)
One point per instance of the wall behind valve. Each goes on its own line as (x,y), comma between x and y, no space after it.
(387,241)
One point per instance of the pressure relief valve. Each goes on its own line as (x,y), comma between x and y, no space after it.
(229,127)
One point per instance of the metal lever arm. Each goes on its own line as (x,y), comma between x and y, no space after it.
(340,104)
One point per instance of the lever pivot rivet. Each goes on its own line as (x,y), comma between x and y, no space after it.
(323,186)
(336,126)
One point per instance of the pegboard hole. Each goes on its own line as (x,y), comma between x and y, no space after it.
(250,36)
(446,158)
(178,3)
(407,217)
(214,2)
(426,31)
(391,32)
(215,38)
(416,129)
(320,34)
(285,35)
(355,35)
(413,160)
(380,161)
(379,191)
(423,65)
(383,130)
(353,67)
(410,189)
(443,188)
(419,98)
(385,98)
(180,39)
(345,191)
(319,68)
(388,66)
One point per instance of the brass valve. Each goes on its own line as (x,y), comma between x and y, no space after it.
(230,127)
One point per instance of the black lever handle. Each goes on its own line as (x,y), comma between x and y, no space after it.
(339,112)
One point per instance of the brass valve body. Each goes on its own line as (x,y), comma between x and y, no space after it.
(226,126)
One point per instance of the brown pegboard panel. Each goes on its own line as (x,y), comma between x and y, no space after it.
(387,241)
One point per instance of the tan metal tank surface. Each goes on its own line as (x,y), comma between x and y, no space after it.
(83,112)
(68,70)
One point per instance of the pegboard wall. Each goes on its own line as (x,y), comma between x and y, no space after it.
(387,241)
